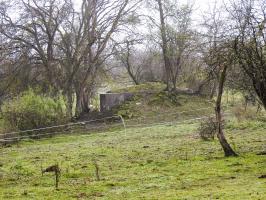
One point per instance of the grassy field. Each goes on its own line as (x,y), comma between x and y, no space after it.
(158,162)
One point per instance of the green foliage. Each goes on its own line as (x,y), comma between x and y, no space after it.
(18,171)
(31,110)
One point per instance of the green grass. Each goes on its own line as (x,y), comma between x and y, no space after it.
(158,162)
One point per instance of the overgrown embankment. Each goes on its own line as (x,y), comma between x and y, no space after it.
(151,100)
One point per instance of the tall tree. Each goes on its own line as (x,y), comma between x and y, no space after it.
(164,44)
(249,30)
(219,58)
(224,61)
(92,44)
(180,37)
(36,28)
(175,35)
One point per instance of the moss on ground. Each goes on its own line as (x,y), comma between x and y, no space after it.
(157,162)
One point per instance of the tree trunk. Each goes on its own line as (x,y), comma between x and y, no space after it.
(129,66)
(213,89)
(164,45)
(82,102)
(130,73)
(134,80)
(69,105)
(228,151)
(174,82)
(260,89)
(133,77)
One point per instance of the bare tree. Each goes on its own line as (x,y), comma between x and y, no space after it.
(214,33)
(67,47)
(219,58)
(99,20)
(126,55)
(224,61)
(249,30)
(36,28)
(164,44)
(174,37)
(180,36)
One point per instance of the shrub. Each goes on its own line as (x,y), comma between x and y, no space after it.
(207,129)
(30,111)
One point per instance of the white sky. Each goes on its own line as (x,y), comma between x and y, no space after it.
(200,6)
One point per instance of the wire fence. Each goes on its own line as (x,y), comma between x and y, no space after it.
(106,124)
(96,125)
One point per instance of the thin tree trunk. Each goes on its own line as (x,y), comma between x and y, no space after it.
(128,65)
(213,90)
(260,89)
(228,151)
(174,81)
(164,45)
(69,103)
(133,78)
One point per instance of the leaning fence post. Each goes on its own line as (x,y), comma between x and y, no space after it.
(124,124)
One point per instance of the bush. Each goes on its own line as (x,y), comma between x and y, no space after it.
(207,129)
(30,111)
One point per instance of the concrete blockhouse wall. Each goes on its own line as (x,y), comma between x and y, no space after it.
(110,100)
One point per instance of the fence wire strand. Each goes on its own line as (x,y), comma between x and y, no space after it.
(89,126)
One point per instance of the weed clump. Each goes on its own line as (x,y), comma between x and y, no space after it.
(57,172)
(207,129)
